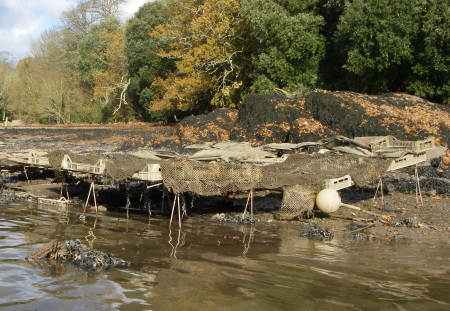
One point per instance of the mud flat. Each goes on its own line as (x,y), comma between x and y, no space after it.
(284,126)
(409,218)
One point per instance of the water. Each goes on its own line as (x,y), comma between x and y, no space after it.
(213,266)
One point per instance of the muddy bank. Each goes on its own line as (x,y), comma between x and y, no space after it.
(275,119)
(404,218)
(406,221)
(260,120)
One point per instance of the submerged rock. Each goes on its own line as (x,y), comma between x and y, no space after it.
(78,254)
(243,218)
(408,222)
(317,233)
(8,197)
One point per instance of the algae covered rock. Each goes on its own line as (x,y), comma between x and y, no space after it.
(80,255)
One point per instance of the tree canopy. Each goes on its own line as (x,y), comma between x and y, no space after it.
(377,39)
(144,64)
(286,45)
(184,56)
(6,74)
(201,41)
(432,53)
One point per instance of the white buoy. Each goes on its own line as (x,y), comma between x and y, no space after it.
(329,201)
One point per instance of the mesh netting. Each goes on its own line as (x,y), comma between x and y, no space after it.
(123,166)
(119,166)
(209,178)
(311,171)
(297,201)
(301,176)
(55,158)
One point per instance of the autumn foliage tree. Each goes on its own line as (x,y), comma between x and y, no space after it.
(102,65)
(225,49)
(201,38)
(112,81)
(177,57)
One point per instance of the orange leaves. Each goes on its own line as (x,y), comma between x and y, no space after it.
(416,116)
(446,158)
(110,82)
(200,37)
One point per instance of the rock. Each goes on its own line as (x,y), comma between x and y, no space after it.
(78,254)
(317,233)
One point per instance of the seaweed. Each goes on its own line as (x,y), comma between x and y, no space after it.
(315,232)
(275,119)
(77,253)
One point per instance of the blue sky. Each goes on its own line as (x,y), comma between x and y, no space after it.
(22,21)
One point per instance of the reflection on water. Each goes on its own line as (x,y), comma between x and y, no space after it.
(212,266)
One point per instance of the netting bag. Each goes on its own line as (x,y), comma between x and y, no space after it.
(298,201)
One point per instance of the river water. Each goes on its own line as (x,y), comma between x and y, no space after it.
(213,266)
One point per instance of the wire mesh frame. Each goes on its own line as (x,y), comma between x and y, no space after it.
(212,178)
(297,201)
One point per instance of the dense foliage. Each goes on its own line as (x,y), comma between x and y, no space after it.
(175,57)
(144,65)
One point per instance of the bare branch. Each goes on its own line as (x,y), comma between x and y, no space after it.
(123,95)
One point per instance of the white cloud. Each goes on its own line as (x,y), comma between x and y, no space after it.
(22,21)
(131,7)
(51,9)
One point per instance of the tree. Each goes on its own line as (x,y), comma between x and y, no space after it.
(144,64)
(55,84)
(6,58)
(23,95)
(6,74)
(431,70)
(376,40)
(91,50)
(330,70)
(77,21)
(111,83)
(102,65)
(285,44)
(80,18)
(201,39)
(45,87)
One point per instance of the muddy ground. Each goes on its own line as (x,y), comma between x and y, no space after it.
(405,220)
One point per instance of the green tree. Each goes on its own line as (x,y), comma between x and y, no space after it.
(296,7)
(331,66)
(144,64)
(431,70)
(45,88)
(91,50)
(77,21)
(111,83)
(23,95)
(102,65)
(6,74)
(375,38)
(285,44)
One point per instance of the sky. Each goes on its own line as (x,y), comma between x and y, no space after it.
(22,21)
